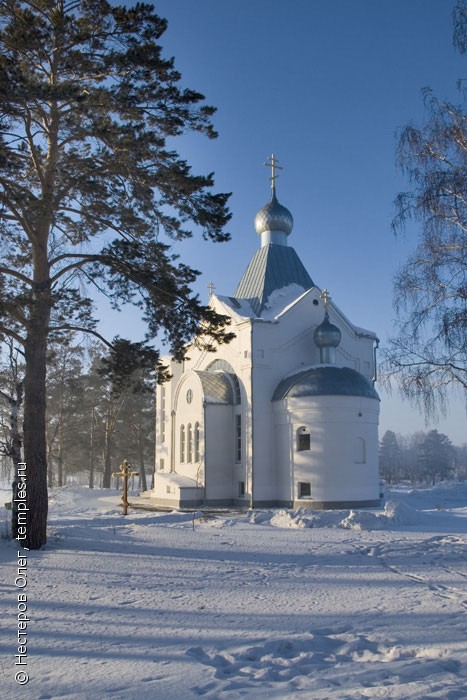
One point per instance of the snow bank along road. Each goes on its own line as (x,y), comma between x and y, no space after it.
(329,606)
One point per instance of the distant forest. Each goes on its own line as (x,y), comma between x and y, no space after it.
(93,422)
(421,458)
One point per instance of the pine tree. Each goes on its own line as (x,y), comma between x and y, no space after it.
(131,379)
(390,457)
(89,185)
(65,398)
(436,457)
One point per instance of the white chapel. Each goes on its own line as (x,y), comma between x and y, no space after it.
(284,415)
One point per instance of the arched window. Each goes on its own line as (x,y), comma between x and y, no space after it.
(162,415)
(182,443)
(189,456)
(196,442)
(360,451)
(303,439)
(238,437)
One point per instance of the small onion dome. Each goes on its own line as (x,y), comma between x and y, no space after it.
(325,381)
(327,335)
(273,217)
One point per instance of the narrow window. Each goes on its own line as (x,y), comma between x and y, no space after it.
(196,442)
(238,437)
(303,439)
(189,443)
(241,488)
(182,443)
(237,392)
(162,415)
(161,465)
(304,489)
(360,451)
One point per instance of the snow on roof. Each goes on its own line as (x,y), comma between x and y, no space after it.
(281,300)
(278,302)
(239,308)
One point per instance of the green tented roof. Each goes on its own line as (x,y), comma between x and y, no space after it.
(272,267)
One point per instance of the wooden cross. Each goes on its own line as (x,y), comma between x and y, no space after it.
(125,473)
(272,163)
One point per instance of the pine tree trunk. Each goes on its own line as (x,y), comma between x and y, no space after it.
(35,350)
(106,479)
(50,469)
(34,427)
(60,471)
(142,473)
(60,474)
(91,453)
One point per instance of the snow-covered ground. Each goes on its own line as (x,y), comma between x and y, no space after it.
(328,606)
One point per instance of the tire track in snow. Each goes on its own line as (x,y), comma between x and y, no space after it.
(431,554)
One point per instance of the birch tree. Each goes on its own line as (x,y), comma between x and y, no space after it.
(428,353)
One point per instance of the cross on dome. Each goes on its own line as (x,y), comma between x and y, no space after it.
(327,336)
(272,163)
(326,297)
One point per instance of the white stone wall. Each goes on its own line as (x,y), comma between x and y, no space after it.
(334,465)
(219,453)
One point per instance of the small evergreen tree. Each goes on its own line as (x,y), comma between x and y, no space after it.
(436,457)
(65,395)
(390,457)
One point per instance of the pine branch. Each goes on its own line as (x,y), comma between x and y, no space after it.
(79,329)
(10,333)
(17,275)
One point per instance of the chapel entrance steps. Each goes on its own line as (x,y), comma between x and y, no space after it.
(143,503)
(199,509)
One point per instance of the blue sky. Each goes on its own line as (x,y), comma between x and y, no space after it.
(325,85)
